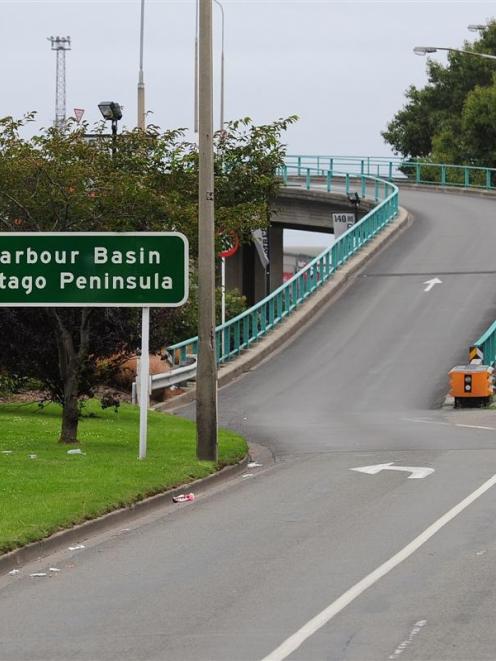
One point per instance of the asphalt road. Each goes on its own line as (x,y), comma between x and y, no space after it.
(307,559)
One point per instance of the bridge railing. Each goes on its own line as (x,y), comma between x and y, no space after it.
(242,331)
(418,172)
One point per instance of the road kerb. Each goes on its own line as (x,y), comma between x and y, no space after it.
(80,532)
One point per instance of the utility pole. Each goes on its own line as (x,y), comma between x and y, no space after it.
(206,399)
(141,81)
(60,45)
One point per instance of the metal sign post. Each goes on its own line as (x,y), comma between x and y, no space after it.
(230,248)
(144,379)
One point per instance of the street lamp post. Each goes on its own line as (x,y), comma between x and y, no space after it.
(221,69)
(141,81)
(195,109)
(426,50)
(111,110)
(477,28)
(219,4)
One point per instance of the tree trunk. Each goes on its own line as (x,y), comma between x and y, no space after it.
(70,364)
(70,412)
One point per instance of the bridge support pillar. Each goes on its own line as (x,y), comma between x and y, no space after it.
(245,272)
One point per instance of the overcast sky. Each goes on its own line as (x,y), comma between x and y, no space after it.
(342,67)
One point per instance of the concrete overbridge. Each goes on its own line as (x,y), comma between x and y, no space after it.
(295,208)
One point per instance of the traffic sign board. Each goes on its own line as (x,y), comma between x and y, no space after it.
(342,222)
(75,269)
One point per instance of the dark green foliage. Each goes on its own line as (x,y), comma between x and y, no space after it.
(451,119)
(59,181)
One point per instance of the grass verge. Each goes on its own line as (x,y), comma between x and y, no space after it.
(53,490)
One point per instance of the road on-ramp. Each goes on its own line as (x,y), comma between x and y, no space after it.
(305,558)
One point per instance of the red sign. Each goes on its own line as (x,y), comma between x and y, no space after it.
(78,114)
(230,244)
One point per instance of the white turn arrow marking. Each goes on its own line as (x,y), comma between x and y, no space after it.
(417,472)
(431,283)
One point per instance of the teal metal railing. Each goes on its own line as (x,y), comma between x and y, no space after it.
(487,344)
(242,331)
(397,169)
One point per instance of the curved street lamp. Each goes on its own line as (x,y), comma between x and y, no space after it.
(426,50)
(477,28)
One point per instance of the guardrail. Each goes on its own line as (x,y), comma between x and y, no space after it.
(167,379)
(242,331)
(418,172)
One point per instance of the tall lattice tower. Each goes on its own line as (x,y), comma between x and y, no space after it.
(60,45)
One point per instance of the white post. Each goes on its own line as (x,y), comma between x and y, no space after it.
(223,299)
(144,379)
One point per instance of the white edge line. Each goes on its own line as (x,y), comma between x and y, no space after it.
(475,427)
(427,422)
(297,639)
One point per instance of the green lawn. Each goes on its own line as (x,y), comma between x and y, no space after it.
(55,490)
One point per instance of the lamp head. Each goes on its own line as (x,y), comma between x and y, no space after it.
(110,110)
(424,50)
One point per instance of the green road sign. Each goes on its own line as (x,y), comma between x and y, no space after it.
(93,269)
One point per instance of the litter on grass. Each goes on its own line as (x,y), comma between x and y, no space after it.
(33,456)
(253,464)
(183,498)
(6,451)
(78,451)
(77,547)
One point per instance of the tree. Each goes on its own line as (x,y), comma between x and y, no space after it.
(434,123)
(59,181)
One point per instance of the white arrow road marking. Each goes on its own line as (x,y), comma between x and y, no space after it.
(431,283)
(417,472)
(321,619)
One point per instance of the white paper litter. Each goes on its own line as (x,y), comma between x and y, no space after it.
(77,547)
(246,475)
(14,572)
(78,451)
(33,456)
(54,569)
(7,452)
(253,464)
(38,574)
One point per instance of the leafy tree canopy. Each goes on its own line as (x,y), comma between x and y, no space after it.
(446,120)
(60,180)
